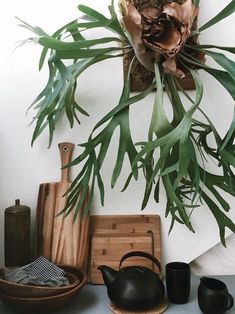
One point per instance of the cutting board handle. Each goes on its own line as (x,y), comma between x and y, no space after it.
(66,150)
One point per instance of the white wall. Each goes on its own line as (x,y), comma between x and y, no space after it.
(23,167)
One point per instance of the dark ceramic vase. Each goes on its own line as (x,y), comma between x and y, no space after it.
(17,235)
(213,296)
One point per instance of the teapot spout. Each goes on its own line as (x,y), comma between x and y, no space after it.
(108,274)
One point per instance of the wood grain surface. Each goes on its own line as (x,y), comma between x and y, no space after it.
(58,238)
(161,308)
(114,235)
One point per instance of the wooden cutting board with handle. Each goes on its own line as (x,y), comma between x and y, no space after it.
(57,238)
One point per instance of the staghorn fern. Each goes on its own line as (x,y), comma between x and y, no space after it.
(182,142)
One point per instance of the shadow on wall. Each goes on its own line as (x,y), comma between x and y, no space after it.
(217,260)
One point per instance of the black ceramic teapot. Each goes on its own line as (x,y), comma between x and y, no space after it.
(134,287)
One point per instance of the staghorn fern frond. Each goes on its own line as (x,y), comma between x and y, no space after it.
(183,142)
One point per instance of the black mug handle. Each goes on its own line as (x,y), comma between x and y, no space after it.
(142,254)
(230,301)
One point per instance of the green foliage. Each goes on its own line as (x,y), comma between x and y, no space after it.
(182,144)
(228,10)
(196,2)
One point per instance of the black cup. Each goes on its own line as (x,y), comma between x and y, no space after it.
(178,282)
(213,296)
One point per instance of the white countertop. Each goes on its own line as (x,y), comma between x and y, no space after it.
(93,300)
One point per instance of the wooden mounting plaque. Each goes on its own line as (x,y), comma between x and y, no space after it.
(141,78)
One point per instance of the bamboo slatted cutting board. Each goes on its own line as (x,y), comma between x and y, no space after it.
(60,240)
(114,235)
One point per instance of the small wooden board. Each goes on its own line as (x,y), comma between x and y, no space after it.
(113,236)
(161,308)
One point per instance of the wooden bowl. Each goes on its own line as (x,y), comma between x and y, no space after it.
(42,304)
(29,291)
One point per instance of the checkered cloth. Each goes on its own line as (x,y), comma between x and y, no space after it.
(40,272)
(43,269)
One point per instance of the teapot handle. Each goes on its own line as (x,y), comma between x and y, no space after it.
(142,254)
